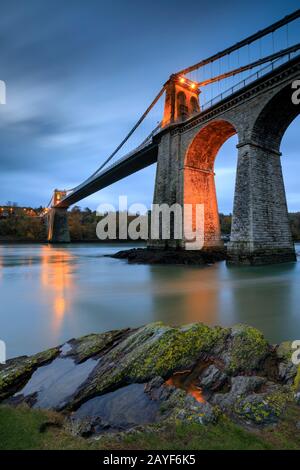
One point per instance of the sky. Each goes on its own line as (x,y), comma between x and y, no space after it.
(80,72)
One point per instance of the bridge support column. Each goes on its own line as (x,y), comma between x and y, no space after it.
(199,188)
(58,229)
(168,188)
(178,183)
(260,227)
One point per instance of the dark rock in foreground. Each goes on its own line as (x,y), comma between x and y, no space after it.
(187,257)
(157,374)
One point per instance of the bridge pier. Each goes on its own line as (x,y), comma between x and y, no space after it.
(166,190)
(187,184)
(260,227)
(57,224)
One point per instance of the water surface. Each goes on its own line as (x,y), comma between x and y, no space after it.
(121,409)
(50,294)
(53,384)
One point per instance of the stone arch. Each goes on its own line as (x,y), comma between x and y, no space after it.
(194,105)
(181,98)
(182,108)
(199,177)
(205,146)
(274,119)
(260,226)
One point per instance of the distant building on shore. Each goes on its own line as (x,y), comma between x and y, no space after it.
(16,211)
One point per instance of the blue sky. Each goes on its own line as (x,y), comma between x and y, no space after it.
(80,72)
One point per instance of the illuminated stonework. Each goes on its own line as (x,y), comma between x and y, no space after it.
(199,176)
(182,100)
(58,196)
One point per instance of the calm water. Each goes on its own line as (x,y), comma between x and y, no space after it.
(51,294)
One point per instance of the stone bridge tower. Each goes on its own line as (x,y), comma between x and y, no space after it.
(182,100)
(57,220)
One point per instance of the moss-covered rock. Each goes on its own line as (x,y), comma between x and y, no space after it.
(192,411)
(297,381)
(94,344)
(240,355)
(246,349)
(240,386)
(15,373)
(289,372)
(284,351)
(154,350)
(262,409)
(174,349)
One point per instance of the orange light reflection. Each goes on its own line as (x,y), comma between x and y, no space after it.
(180,380)
(56,281)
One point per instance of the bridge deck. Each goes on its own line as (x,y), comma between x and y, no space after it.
(124,167)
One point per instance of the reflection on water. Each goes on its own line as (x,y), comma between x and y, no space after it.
(50,294)
(57,282)
(121,409)
(53,384)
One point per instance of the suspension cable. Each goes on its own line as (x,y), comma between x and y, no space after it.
(245,42)
(269,58)
(158,96)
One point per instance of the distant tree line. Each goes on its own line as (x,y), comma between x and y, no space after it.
(225,221)
(18,226)
(82,225)
(295,225)
(21,227)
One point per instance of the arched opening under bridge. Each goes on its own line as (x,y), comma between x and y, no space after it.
(199,176)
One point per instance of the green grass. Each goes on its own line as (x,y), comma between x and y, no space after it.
(225,435)
(22,428)
(19,428)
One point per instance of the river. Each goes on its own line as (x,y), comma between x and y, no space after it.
(49,294)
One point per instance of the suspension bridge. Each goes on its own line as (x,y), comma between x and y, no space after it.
(245,90)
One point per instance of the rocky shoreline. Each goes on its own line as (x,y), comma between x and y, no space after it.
(155,375)
(178,257)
